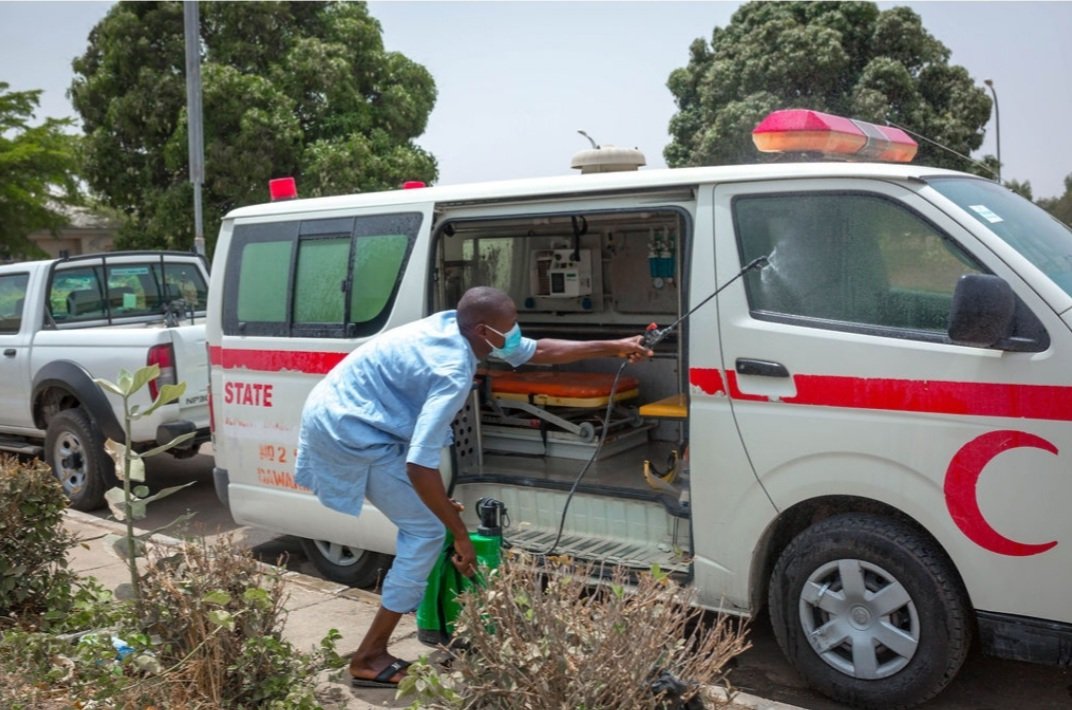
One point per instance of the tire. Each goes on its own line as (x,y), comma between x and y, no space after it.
(346,565)
(74,448)
(909,596)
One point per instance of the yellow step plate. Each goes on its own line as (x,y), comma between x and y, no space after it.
(673,407)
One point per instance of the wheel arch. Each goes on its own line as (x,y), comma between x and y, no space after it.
(62,384)
(797,518)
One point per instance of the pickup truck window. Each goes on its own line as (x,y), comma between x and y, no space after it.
(316,278)
(95,292)
(849,261)
(12,299)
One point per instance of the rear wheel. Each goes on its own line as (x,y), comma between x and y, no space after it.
(74,448)
(346,565)
(869,611)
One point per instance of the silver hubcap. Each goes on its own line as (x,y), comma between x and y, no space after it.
(859,619)
(70,463)
(337,554)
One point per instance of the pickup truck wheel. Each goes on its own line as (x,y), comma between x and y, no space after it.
(869,611)
(74,448)
(346,565)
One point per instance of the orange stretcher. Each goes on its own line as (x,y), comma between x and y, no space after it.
(556,399)
(561,389)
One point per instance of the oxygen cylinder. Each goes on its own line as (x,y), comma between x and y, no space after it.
(439,608)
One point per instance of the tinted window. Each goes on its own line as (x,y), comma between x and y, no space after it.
(845,260)
(12,300)
(317,278)
(77,294)
(104,290)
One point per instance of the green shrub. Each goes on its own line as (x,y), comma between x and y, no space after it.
(33,541)
(210,637)
(541,637)
(215,617)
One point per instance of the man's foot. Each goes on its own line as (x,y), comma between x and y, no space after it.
(388,677)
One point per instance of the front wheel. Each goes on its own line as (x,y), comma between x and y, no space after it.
(869,611)
(351,566)
(74,448)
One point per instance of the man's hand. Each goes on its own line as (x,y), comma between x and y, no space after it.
(464,557)
(633,348)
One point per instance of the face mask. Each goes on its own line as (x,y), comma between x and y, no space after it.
(511,342)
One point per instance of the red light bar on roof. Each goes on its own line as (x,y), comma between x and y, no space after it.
(800,130)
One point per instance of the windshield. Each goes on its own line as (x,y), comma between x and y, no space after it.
(1040,238)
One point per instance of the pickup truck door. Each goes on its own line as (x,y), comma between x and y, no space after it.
(843,381)
(16,332)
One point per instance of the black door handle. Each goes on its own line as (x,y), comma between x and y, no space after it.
(9,352)
(762,368)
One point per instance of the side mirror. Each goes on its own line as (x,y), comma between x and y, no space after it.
(982,310)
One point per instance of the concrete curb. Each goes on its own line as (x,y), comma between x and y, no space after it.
(336,595)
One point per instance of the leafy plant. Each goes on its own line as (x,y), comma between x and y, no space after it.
(540,636)
(216,617)
(33,541)
(129,502)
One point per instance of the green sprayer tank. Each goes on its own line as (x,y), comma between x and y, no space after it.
(439,608)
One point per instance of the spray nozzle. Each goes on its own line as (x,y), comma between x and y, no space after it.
(491,513)
(653,334)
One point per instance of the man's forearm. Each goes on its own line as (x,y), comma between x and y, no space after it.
(550,351)
(429,486)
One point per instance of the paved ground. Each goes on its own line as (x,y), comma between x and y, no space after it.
(983,684)
(313,606)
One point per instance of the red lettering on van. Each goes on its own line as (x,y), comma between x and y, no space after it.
(255,394)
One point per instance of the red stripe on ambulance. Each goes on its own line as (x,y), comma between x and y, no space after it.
(1047,402)
(307,361)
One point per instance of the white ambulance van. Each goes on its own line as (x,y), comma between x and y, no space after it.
(871,435)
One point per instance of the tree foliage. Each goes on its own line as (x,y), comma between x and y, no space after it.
(1060,207)
(846,58)
(289,88)
(38,167)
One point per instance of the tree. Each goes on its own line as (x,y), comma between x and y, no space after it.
(38,171)
(304,89)
(847,58)
(1060,207)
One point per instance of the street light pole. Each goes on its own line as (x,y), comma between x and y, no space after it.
(191,29)
(997,122)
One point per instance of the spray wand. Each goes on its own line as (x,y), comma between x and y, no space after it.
(653,334)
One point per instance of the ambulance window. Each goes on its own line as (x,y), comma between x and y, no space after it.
(849,261)
(316,278)
(320,280)
(377,265)
(263,271)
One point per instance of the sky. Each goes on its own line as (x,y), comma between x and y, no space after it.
(517,80)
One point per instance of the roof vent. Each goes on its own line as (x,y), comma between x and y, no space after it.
(606,158)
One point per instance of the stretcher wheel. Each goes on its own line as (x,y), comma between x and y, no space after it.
(587,432)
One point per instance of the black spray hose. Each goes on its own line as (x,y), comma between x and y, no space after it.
(652,336)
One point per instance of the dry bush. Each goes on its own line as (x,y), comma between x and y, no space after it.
(215,619)
(540,637)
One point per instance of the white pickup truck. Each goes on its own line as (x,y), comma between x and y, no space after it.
(64,322)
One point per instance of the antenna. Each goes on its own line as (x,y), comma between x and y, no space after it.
(970,159)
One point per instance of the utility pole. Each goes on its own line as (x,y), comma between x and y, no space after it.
(195,133)
(997,122)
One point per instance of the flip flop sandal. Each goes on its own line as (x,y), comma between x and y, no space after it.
(383,678)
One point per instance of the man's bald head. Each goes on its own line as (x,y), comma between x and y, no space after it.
(485,304)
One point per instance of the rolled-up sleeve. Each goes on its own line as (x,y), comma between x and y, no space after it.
(432,431)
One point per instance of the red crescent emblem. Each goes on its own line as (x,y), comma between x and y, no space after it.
(962,477)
